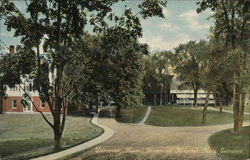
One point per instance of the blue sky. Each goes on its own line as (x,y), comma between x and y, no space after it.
(181,25)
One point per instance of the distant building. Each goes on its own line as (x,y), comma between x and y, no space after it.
(155,97)
(186,97)
(16,102)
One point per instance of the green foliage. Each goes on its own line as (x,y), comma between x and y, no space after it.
(60,25)
(235,59)
(157,74)
(63,34)
(230,20)
(12,66)
(231,26)
(214,66)
(102,73)
(151,8)
(187,64)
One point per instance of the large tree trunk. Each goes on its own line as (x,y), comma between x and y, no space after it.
(57,138)
(58,128)
(204,113)
(58,125)
(237,127)
(239,96)
(238,109)
(234,88)
(242,106)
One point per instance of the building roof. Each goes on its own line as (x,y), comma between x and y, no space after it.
(187,91)
(185,95)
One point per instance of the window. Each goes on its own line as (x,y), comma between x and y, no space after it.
(14,103)
(30,87)
(42,104)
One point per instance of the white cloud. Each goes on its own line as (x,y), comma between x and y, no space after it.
(169,26)
(165,12)
(191,17)
(158,43)
(5,35)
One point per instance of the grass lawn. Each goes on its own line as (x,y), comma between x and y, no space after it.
(184,116)
(129,117)
(25,136)
(231,146)
(230,108)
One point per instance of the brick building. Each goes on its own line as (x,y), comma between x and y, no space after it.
(15,101)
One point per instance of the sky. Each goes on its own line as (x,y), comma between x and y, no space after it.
(180,25)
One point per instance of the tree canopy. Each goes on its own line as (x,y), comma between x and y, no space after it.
(60,26)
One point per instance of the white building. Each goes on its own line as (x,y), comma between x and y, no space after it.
(186,97)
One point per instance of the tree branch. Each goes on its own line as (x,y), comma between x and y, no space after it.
(50,106)
(65,104)
(44,117)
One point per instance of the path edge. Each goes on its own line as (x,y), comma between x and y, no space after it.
(146,116)
(107,134)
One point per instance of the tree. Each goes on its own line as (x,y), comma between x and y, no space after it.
(124,78)
(12,66)
(214,71)
(59,24)
(231,26)
(103,74)
(187,65)
(157,76)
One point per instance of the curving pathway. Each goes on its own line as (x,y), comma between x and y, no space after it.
(108,133)
(227,111)
(146,115)
(142,142)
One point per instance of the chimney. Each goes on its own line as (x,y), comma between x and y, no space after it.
(12,49)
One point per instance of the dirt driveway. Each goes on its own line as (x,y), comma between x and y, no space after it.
(144,142)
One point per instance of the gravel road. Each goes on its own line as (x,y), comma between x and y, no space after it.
(144,142)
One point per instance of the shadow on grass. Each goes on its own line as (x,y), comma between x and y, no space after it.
(132,115)
(188,117)
(13,148)
(83,113)
(107,113)
(33,148)
(26,148)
